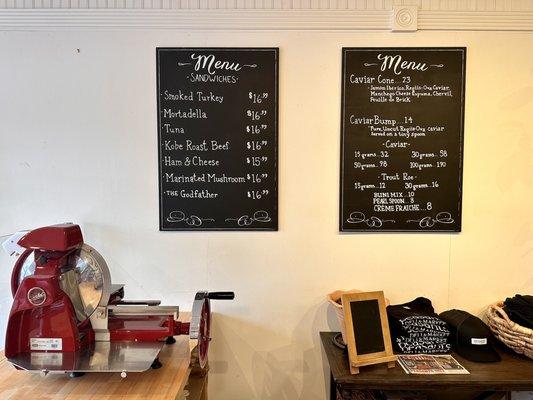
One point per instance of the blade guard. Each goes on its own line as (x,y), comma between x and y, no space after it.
(200,326)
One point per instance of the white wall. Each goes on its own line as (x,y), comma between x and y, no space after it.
(78,142)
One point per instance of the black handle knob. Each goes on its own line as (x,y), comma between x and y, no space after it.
(221,295)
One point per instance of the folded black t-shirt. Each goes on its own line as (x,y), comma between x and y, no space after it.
(520,309)
(416,328)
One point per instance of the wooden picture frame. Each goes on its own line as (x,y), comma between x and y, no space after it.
(367,330)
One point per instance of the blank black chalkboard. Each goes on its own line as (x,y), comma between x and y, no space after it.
(367,326)
(402,139)
(218,137)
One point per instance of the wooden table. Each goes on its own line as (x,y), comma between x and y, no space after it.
(166,383)
(514,372)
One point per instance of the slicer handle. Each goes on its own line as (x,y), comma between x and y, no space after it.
(221,295)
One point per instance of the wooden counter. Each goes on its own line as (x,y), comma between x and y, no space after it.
(166,383)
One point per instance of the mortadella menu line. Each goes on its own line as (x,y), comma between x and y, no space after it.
(402,139)
(218,138)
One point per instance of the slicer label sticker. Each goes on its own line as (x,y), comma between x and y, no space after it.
(479,341)
(46,344)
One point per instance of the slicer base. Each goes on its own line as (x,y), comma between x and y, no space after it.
(103,357)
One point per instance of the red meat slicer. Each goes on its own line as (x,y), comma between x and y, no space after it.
(67,316)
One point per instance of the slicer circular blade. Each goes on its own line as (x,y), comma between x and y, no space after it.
(86,279)
(24,267)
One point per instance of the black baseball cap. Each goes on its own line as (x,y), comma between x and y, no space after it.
(470,336)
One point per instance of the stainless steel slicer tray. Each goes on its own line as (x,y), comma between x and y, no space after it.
(103,357)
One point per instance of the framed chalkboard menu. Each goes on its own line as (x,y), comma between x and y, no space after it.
(218,138)
(402,139)
(367,331)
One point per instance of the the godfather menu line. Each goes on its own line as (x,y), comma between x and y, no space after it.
(402,139)
(217,130)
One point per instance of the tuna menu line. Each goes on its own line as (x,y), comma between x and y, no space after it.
(402,139)
(218,137)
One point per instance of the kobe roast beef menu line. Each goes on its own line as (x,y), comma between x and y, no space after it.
(402,139)
(218,129)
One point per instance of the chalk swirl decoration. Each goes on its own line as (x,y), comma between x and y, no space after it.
(358,217)
(193,220)
(443,217)
(404,17)
(246,220)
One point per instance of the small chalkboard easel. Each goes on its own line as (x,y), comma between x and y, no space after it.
(367,330)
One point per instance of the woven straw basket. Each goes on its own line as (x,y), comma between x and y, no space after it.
(334,300)
(517,337)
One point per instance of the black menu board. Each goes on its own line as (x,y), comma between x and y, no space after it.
(402,139)
(217,129)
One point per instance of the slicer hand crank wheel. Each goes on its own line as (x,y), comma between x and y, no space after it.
(200,328)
